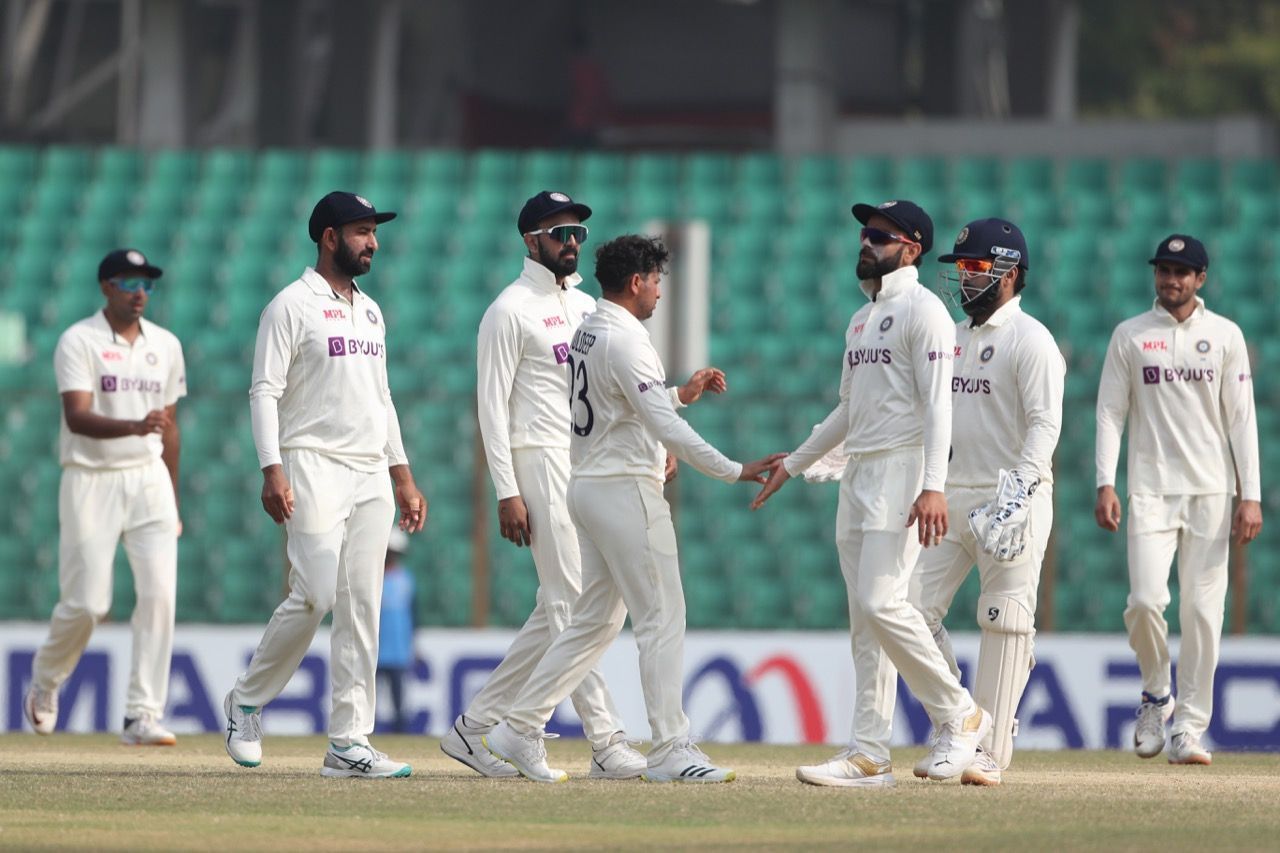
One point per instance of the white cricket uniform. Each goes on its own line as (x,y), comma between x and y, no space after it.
(1188,391)
(114,488)
(522,393)
(894,417)
(1006,414)
(622,417)
(322,408)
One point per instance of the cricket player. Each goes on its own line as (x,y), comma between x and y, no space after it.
(329,445)
(894,417)
(1181,373)
(521,393)
(120,378)
(622,416)
(1006,398)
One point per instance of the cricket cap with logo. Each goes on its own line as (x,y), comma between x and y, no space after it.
(338,208)
(126,262)
(548,203)
(989,239)
(1182,249)
(907,215)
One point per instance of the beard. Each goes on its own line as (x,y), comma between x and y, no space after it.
(349,262)
(560,265)
(877,267)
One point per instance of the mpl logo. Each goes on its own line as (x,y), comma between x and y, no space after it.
(337,346)
(110,383)
(1151,376)
(561,352)
(112,355)
(553,322)
(1154,345)
(334,314)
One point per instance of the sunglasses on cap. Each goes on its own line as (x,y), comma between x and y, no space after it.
(133,285)
(879,237)
(562,233)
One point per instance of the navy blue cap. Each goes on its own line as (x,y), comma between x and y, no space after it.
(337,209)
(907,215)
(548,203)
(1182,249)
(990,239)
(126,262)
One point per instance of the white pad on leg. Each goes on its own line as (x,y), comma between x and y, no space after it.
(1004,665)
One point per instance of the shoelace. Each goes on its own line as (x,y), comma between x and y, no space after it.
(691,749)
(537,743)
(632,742)
(1150,719)
(252,728)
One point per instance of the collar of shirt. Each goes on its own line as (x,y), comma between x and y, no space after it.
(621,315)
(320,286)
(1004,313)
(893,284)
(543,279)
(101,324)
(1163,313)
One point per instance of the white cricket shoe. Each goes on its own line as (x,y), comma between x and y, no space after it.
(849,769)
(526,753)
(244,732)
(143,730)
(1186,749)
(921,770)
(957,744)
(1148,734)
(686,763)
(618,760)
(983,771)
(41,709)
(361,761)
(462,743)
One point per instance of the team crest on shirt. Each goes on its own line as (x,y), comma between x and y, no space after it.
(373,318)
(1202,347)
(886,324)
(152,359)
(986,354)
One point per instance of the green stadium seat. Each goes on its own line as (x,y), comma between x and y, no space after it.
(546,170)
(228,167)
(1253,176)
(176,167)
(119,166)
(1086,174)
(918,176)
(65,164)
(1256,210)
(1029,175)
(439,169)
(759,170)
(387,167)
(1199,212)
(1146,210)
(1145,175)
(1201,175)
(655,171)
(813,173)
(599,168)
(335,169)
(18,164)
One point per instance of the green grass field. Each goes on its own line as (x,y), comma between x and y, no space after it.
(87,791)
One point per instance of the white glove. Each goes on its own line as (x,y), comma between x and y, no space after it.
(828,468)
(1000,525)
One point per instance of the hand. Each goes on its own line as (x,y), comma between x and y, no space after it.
(513,521)
(1246,524)
(776,479)
(277,494)
(1107,510)
(413,506)
(672,468)
(157,420)
(707,379)
(930,509)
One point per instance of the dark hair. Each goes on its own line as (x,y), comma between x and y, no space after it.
(628,255)
(1021,282)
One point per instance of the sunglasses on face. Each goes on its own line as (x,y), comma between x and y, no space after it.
(878,237)
(974,266)
(562,233)
(133,285)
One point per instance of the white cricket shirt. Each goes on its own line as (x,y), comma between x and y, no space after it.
(1189,389)
(1006,398)
(522,389)
(320,378)
(621,411)
(126,381)
(895,388)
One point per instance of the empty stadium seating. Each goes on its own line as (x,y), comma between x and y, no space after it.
(229,228)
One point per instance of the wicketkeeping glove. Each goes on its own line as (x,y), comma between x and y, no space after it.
(1000,525)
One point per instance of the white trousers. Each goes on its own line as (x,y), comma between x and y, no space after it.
(96,509)
(1197,528)
(629,563)
(337,547)
(542,475)
(877,554)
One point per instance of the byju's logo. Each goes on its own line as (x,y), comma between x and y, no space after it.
(109,383)
(1151,376)
(562,353)
(337,346)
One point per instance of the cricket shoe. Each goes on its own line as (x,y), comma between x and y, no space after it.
(983,771)
(1148,734)
(526,753)
(41,709)
(686,763)
(361,761)
(849,769)
(921,770)
(618,760)
(957,744)
(463,743)
(144,730)
(244,732)
(1186,749)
